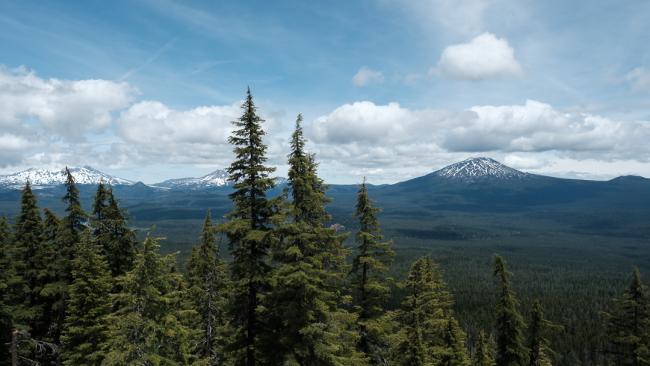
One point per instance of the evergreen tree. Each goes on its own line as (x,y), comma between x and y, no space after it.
(310,327)
(540,350)
(148,327)
(484,354)
(509,323)
(112,231)
(369,279)
(52,303)
(249,232)
(427,332)
(208,289)
(6,274)
(75,218)
(67,240)
(25,287)
(84,331)
(629,325)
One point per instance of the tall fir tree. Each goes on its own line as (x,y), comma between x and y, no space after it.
(249,232)
(369,277)
(208,290)
(628,325)
(85,328)
(484,354)
(72,225)
(540,351)
(110,227)
(509,322)
(427,331)
(6,274)
(304,306)
(149,326)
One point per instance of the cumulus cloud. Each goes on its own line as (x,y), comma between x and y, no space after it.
(67,108)
(370,135)
(484,57)
(367,76)
(639,78)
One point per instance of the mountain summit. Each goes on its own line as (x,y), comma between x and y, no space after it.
(217,178)
(479,168)
(51,177)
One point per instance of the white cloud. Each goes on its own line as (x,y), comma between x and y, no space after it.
(639,78)
(67,108)
(367,76)
(364,135)
(484,57)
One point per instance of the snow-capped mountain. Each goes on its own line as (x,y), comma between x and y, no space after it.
(479,168)
(217,178)
(50,177)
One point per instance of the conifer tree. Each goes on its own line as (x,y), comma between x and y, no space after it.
(540,351)
(148,327)
(369,279)
(484,354)
(67,240)
(6,273)
(112,231)
(629,325)
(509,323)
(310,327)
(208,289)
(52,304)
(25,287)
(427,332)
(249,232)
(84,331)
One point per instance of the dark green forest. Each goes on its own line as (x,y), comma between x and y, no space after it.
(276,282)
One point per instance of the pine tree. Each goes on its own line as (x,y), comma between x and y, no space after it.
(6,273)
(112,232)
(427,332)
(369,280)
(67,240)
(484,354)
(249,232)
(540,351)
(208,289)
(148,328)
(629,325)
(509,323)
(84,331)
(310,327)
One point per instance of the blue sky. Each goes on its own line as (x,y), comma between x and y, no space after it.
(390,89)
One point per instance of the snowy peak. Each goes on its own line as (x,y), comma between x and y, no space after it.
(217,178)
(479,168)
(50,177)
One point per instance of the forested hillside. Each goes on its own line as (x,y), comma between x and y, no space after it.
(277,283)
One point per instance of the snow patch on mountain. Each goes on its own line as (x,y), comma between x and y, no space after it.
(217,178)
(50,177)
(480,168)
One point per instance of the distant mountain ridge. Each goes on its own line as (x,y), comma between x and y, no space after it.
(470,171)
(217,178)
(51,177)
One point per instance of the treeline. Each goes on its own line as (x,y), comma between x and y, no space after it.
(80,290)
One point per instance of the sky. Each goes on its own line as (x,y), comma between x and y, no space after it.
(389,89)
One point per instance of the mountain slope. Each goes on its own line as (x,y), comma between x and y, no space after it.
(49,177)
(217,178)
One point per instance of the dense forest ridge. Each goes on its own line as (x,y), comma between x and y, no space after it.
(80,290)
(467,170)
